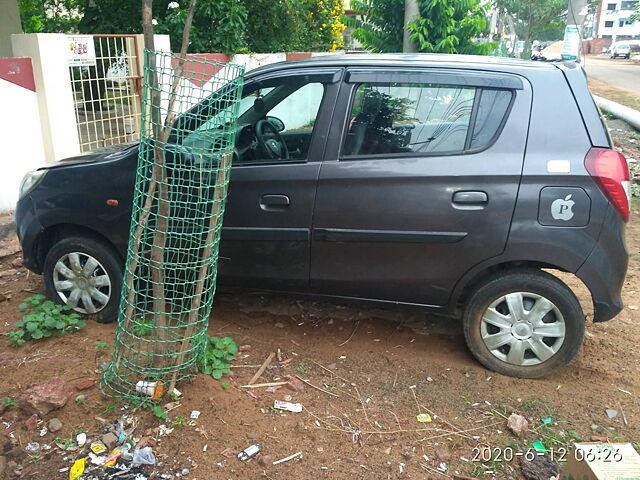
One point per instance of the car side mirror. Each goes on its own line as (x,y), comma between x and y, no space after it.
(276,122)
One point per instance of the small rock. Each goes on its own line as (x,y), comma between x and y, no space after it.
(265,460)
(332,366)
(244,348)
(295,384)
(387,450)
(279,325)
(252,436)
(81,398)
(517,424)
(287,398)
(360,459)
(541,468)
(408,455)
(320,449)
(47,396)
(611,413)
(85,385)
(443,454)
(185,471)
(31,423)
(54,425)
(598,438)
(5,358)
(599,429)
(109,439)
(17,262)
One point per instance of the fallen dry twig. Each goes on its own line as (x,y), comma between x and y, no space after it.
(262,368)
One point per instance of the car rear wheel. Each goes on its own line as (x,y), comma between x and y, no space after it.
(85,274)
(525,324)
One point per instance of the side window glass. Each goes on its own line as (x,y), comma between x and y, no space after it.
(409,118)
(279,124)
(492,109)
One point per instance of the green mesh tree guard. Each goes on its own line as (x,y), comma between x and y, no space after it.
(189,118)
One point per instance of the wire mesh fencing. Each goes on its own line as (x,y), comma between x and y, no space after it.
(189,118)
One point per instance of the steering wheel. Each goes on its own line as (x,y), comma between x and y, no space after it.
(270,141)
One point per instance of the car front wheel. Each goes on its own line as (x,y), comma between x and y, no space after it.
(85,274)
(525,324)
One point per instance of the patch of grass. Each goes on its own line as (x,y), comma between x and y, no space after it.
(299,367)
(109,408)
(9,402)
(557,439)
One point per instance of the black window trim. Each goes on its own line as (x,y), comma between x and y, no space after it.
(465,151)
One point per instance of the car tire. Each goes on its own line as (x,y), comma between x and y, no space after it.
(86,274)
(505,324)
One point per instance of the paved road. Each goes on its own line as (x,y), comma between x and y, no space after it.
(618,73)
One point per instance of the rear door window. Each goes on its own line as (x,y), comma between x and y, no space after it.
(423,118)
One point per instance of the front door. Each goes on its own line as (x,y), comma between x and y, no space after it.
(423,183)
(282,129)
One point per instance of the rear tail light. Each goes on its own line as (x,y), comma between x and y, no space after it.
(610,171)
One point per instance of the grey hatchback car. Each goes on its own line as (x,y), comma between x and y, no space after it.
(452,182)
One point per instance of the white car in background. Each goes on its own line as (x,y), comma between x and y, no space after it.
(621,50)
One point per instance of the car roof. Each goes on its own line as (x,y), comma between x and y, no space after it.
(475,62)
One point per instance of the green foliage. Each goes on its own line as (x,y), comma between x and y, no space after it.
(49,16)
(379,25)
(218,25)
(142,328)
(179,422)
(289,25)
(101,347)
(215,356)
(8,402)
(539,20)
(447,26)
(42,318)
(159,413)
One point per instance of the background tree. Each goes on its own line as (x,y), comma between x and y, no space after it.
(444,26)
(450,26)
(536,20)
(49,16)
(378,25)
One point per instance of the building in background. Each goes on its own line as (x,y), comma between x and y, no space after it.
(615,20)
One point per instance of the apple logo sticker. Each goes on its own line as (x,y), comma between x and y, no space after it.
(562,209)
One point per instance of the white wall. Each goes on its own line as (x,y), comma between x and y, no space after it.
(48,52)
(22,141)
(615,16)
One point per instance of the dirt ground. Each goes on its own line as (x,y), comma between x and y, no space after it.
(378,368)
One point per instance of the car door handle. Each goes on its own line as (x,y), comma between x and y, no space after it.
(274,202)
(470,198)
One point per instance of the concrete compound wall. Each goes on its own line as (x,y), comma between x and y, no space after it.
(20,126)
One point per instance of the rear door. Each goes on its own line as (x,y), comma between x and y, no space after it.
(419,183)
(266,233)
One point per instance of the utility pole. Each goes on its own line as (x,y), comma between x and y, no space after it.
(572,45)
(410,12)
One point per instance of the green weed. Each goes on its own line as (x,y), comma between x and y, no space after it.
(215,356)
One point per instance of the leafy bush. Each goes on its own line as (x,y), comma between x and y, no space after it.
(42,318)
(216,355)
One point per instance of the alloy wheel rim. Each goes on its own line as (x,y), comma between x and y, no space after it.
(523,328)
(82,282)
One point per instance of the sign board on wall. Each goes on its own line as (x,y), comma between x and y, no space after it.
(82,52)
(571,44)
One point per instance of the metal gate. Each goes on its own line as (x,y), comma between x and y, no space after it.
(107,95)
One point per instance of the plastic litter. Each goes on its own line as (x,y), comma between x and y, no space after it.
(288,406)
(547,420)
(539,446)
(249,452)
(143,456)
(32,447)
(195,414)
(77,469)
(98,447)
(81,439)
(424,418)
(611,413)
(150,389)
